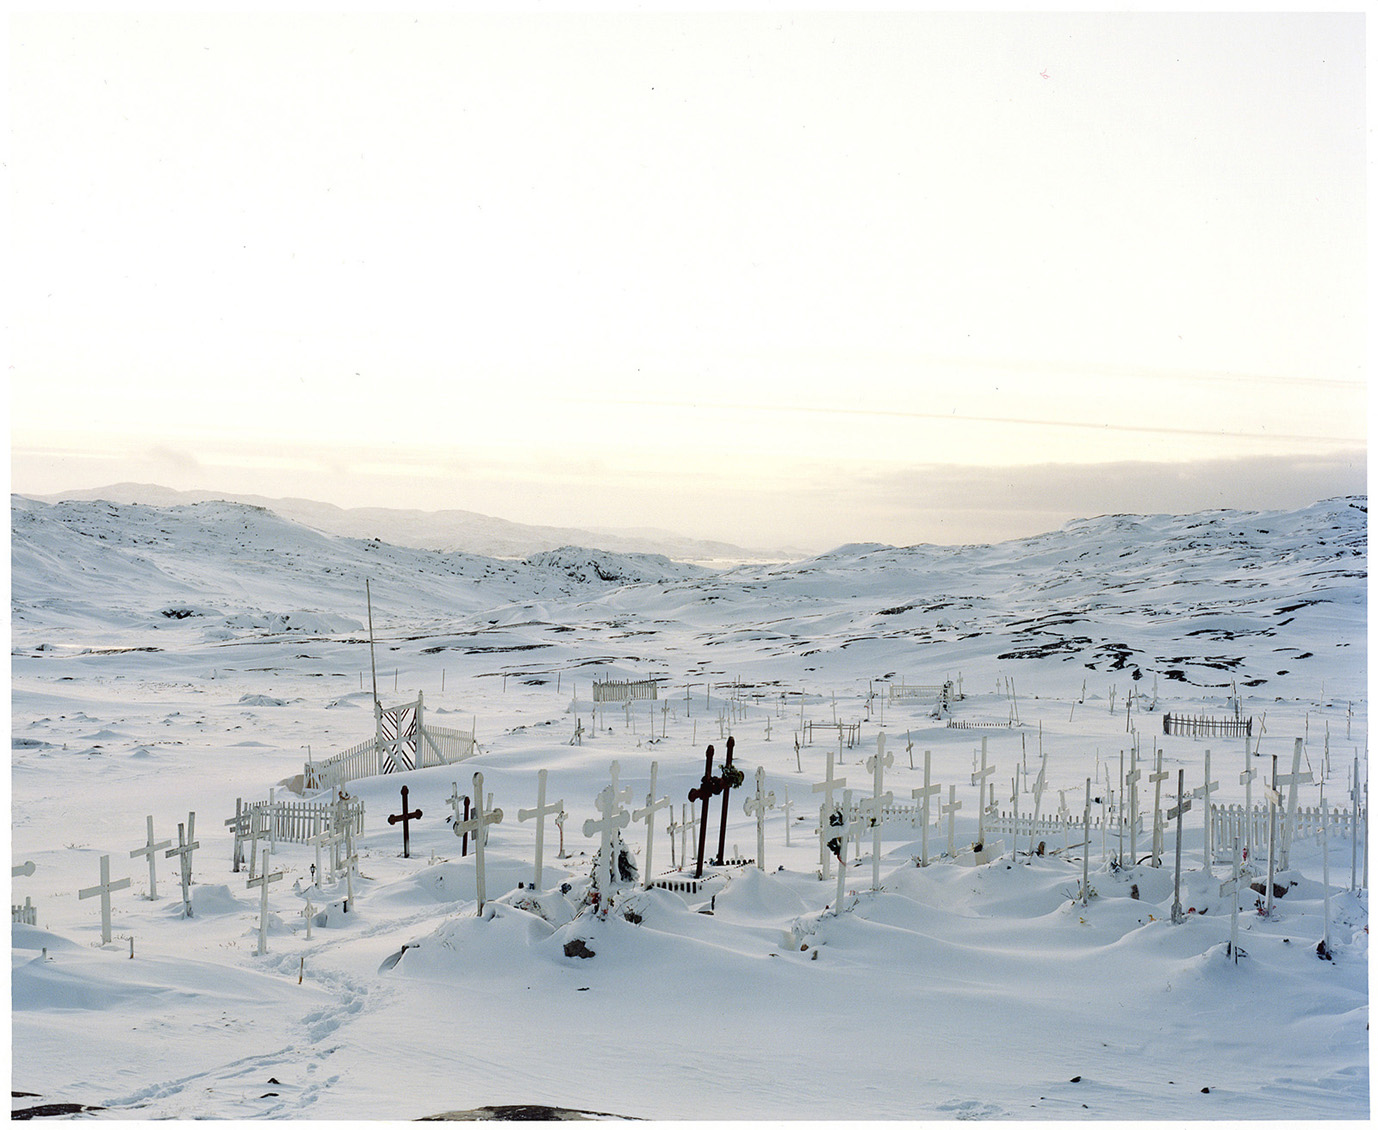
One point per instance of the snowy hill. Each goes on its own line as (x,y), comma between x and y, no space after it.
(182,661)
(447,531)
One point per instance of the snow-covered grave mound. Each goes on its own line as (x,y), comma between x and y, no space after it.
(1001,931)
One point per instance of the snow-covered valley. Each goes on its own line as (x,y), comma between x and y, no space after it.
(176,660)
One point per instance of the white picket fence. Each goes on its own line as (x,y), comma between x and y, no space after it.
(613,690)
(296,821)
(26,915)
(402,740)
(848,732)
(1233,820)
(933,692)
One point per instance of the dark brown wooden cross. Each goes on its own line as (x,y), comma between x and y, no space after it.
(728,779)
(406,818)
(706,789)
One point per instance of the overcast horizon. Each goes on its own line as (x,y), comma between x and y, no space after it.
(774,279)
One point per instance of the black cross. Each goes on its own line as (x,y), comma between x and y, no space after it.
(406,818)
(709,787)
(729,778)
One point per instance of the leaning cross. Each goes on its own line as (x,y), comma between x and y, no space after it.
(406,818)
(826,787)
(1203,794)
(185,846)
(1156,779)
(1183,807)
(539,813)
(239,825)
(614,818)
(1291,780)
(728,777)
(756,806)
(874,805)
(922,796)
(707,788)
(478,825)
(648,814)
(262,884)
(104,888)
(1131,784)
(151,850)
(978,779)
(1246,779)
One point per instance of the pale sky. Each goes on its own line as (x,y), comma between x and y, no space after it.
(773,278)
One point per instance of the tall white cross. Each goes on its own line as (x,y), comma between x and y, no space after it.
(103,889)
(786,807)
(185,846)
(688,824)
(826,787)
(1183,807)
(477,826)
(1292,780)
(1203,794)
(539,813)
(1131,784)
(623,795)
(950,810)
(841,833)
(1040,783)
(873,807)
(614,818)
(262,883)
(1246,779)
(978,779)
(151,850)
(1325,868)
(1231,887)
(1086,846)
(1274,803)
(1156,778)
(648,814)
(756,806)
(923,800)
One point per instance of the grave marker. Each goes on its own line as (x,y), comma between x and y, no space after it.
(1231,887)
(1204,795)
(786,807)
(1325,873)
(478,824)
(756,806)
(826,787)
(614,818)
(950,810)
(1183,807)
(104,889)
(706,789)
(874,805)
(978,779)
(185,846)
(1274,803)
(238,825)
(1157,777)
(1131,784)
(648,814)
(151,850)
(406,818)
(539,813)
(262,883)
(1040,783)
(730,779)
(308,912)
(1246,779)
(923,798)
(1292,780)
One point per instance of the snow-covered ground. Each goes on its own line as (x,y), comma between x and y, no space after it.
(170,660)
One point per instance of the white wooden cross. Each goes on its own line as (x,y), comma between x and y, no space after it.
(151,850)
(262,883)
(1292,780)
(253,842)
(1063,815)
(826,787)
(923,800)
(1231,887)
(688,825)
(185,846)
(648,814)
(978,779)
(1086,847)
(622,795)
(874,805)
(1325,868)
(756,806)
(1156,778)
(103,889)
(786,807)
(673,829)
(1246,779)
(1274,803)
(238,824)
(1131,785)
(308,912)
(1040,783)
(1182,808)
(456,802)
(1203,794)
(325,837)
(539,813)
(614,819)
(843,832)
(477,826)
(950,810)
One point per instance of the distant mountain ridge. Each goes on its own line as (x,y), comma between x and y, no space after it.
(448,531)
